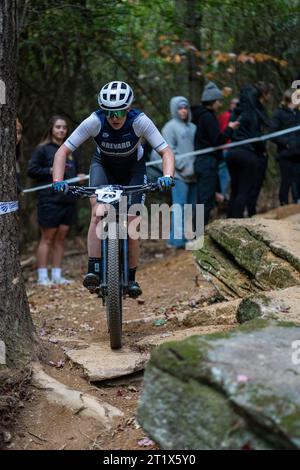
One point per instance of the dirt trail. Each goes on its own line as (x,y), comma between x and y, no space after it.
(171,283)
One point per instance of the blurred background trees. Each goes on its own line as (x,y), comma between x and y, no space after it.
(68,50)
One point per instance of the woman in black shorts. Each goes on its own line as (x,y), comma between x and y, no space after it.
(56,213)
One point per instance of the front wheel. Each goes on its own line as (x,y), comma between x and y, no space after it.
(114,292)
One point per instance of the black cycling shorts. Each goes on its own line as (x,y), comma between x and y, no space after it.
(53,215)
(102,173)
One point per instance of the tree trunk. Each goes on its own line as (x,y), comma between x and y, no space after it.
(189,14)
(16,327)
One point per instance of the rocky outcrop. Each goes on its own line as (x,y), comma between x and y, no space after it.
(251,255)
(219,313)
(281,305)
(150,342)
(100,362)
(236,390)
(233,389)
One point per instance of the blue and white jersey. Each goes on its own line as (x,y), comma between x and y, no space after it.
(123,142)
(118,142)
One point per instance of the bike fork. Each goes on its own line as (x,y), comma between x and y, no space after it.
(103,286)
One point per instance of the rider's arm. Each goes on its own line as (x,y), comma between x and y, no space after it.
(168,161)
(143,126)
(60,162)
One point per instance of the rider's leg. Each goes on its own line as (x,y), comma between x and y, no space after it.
(92,279)
(98,177)
(134,289)
(93,241)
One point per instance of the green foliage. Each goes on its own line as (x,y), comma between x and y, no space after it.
(68,50)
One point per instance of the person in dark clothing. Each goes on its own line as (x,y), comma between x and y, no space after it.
(263,98)
(224,178)
(208,134)
(288,147)
(243,162)
(56,213)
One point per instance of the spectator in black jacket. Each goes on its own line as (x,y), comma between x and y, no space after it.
(244,164)
(288,147)
(56,213)
(208,134)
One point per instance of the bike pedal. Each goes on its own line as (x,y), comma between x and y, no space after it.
(134,291)
(91,282)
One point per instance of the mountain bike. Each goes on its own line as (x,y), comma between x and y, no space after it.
(114,251)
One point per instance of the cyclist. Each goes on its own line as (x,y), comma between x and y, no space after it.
(118,130)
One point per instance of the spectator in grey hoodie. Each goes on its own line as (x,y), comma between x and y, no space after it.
(179,133)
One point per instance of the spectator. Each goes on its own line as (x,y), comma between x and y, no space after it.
(263,96)
(288,147)
(223,173)
(56,213)
(208,134)
(179,133)
(243,161)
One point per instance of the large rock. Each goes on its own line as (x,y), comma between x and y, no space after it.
(286,212)
(224,272)
(282,237)
(225,391)
(282,305)
(99,362)
(150,342)
(219,313)
(249,255)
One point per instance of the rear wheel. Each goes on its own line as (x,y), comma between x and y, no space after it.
(114,292)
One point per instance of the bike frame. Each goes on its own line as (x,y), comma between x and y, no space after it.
(114,255)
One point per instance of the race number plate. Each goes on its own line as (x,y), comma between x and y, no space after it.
(108,195)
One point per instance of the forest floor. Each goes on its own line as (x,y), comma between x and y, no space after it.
(171,282)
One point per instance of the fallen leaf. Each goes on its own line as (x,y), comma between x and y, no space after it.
(242,379)
(59,365)
(53,340)
(160,322)
(284,308)
(246,446)
(146,442)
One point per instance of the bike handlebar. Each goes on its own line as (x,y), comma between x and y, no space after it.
(89,191)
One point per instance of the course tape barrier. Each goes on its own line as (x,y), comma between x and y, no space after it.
(261,138)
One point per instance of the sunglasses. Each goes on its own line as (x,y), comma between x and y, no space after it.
(118,114)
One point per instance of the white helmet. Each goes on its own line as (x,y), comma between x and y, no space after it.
(115,96)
